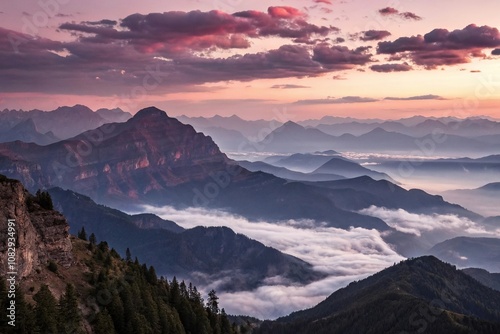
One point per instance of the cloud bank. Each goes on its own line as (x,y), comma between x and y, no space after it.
(346,255)
(442,47)
(421,225)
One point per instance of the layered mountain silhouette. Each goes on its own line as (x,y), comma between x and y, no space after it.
(252,130)
(348,169)
(483,199)
(483,276)
(418,295)
(286,173)
(204,255)
(470,252)
(46,127)
(26,131)
(155,159)
(302,162)
(418,127)
(294,138)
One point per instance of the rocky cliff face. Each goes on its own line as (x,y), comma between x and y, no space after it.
(42,235)
(147,155)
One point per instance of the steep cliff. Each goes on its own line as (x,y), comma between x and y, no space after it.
(41,234)
(135,160)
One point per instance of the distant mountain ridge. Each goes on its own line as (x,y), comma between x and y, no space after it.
(470,252)
(486,278)
(61,123)
(155,159)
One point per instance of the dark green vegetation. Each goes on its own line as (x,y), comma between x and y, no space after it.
(422,295)
(42,198)
(116,296)
(491,280)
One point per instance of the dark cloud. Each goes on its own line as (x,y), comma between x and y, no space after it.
(373,35)
(104,22)
(286,61)
(288,86)
(63,15)
(177,32)
(340,57)
(326,2)
(416,98)
(442,47)
(410,16)
(386,68)
(342,100)
(405,15)
(388,11)
(496,52)
(82,67)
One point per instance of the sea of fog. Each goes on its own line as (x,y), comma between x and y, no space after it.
(345,255)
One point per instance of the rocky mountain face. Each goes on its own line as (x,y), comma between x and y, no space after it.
(148,154)
(422,295)
(41,234)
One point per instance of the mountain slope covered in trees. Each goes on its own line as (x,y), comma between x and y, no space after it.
(422,295)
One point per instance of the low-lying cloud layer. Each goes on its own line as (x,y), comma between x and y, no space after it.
(424,224)
(346,255)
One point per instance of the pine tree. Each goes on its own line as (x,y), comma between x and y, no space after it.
(45,310)
(104,323)
(92,241)
(69,314)
(128,255)
(43,198)
(82,234)
(213,303)
(225,325)
(25,315)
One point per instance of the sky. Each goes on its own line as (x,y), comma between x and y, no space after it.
(383,59)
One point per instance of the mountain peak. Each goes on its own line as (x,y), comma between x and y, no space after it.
(150,112)
(77,108)
(292,125)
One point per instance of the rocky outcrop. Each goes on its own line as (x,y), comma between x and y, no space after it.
(41,234)
(132,161)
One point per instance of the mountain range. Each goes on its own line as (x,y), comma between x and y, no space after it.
(155,159)
(422,295)
(483,199)
(47,127)
(474,135)
(202,255)
(294,138)
(66,284)
(468,252)
(483,276)
(416,295)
